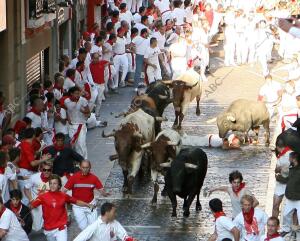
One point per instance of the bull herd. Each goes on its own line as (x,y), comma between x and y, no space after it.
(139,138)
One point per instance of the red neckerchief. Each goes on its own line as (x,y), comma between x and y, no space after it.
(110,42)
(250,222)
(2,170)
(60,89)
(49,105)
(73,99)
(269,237)
(148,12)
(16,210)
(219,214)
(2,211)
(35,111)
(58,148)
(242,185)
(1,107)
(285,150)
(248,217)
(44,179)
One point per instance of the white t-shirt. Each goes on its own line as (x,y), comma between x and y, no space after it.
(141,44)
(261,219)
(141,26)
(36,185)
(270,91)
(161,39)
(179,14)
(96,49)
(127,16)
(137,18)
(68,84)
(223,227)
(108,55)
(36,119)
(119,46)
(212,140)
(189,14)
(236,200)
(4,187)
(162,5)
(73,110)
(151,55)
(9,222)
(60,127)
(11,171)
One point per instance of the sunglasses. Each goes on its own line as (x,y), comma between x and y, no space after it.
(47,170)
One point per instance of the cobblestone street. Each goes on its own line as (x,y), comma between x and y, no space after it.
(147,222)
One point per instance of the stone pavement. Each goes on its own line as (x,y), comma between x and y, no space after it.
(136,213)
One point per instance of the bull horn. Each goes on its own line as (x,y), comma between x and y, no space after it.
(190,165)
(231,118)
(146,145)
(191,85)
(165,164)
(163,97)
(108,135)
(113,157)
(173,143)
(167,82)
(159,118)
(211,120)
(137,134)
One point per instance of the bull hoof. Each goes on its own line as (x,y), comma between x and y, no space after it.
(198,207)
(125,189)
(154,201)
(164,193)
(174,214)
(175,127)
(186,213)
(198,112)
(267,144)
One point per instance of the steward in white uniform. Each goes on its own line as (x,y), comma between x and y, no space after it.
(151,61)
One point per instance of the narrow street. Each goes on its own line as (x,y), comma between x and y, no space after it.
(147,222)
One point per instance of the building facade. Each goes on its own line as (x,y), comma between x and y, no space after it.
(33,36)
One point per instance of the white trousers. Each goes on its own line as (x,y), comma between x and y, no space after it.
(80,144)
(21,183)
(100,97)
(263,60)
(57,235)
(120,63)
(37,218)
(136,4)
(288,210)
(241,48)
(84,216)
(109,74)
(153,74)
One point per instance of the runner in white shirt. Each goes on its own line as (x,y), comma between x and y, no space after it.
(143,24)
(152,63)
(270,93)
(10,227)
(138,16)
(78,112)
(35,113)
(4,188)
(69,80)
(164,9)
(237,190)
(141,43)
(97,47)
(178,14)
(120,59)
(251,221)
(60,120)
(224,227)
(272,234)
(212,140)
(125,14)
(38,184)
(106,228)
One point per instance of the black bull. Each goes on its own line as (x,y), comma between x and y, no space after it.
(290,138)
(185,178)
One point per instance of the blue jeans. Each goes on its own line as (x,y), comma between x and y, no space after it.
(139,61)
